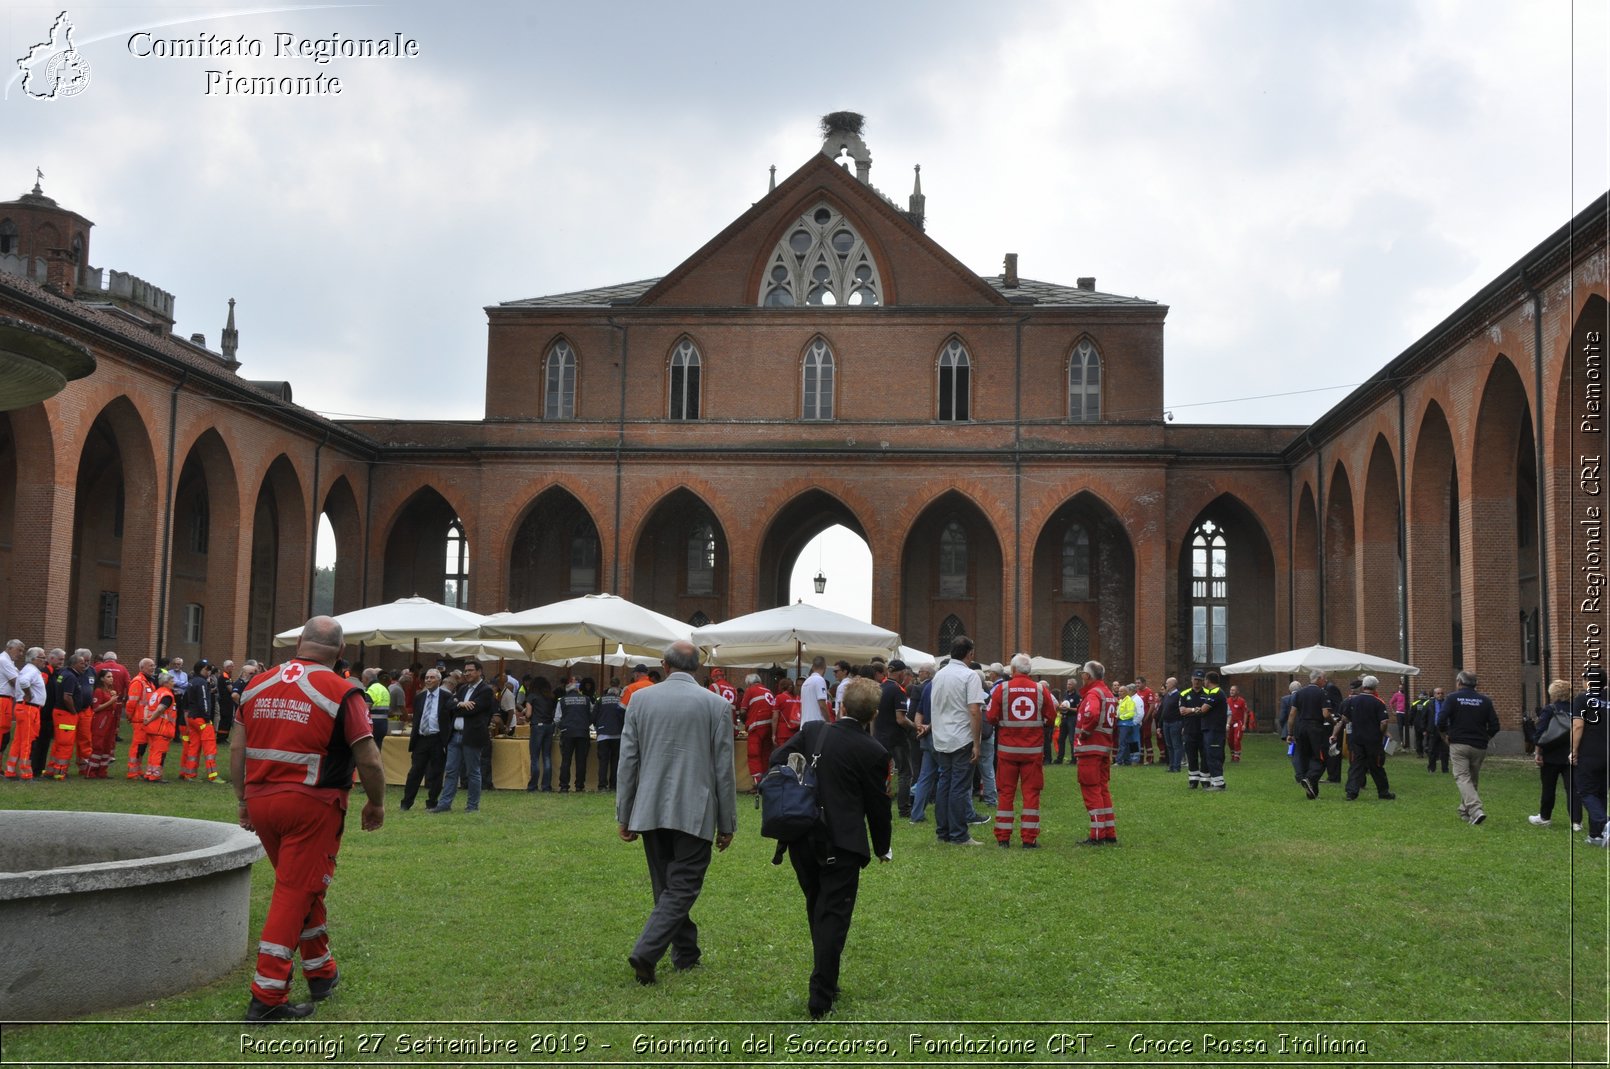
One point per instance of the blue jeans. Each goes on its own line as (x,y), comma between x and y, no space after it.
(1128,742)
(467,758)
(986,774)
(953,794)
(927,776)
(541,757)
(1175,734)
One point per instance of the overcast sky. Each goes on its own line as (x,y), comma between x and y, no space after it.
(1308,186)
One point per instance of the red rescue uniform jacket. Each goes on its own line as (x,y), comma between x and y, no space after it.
(1097,724)
(1020,709)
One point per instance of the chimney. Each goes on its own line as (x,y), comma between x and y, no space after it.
(1088,282)
(199,339)
(1009,278)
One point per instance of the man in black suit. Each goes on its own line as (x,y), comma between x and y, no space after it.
(427,741)
(852,785)
(470,720)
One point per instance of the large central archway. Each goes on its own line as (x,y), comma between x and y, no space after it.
(794,527)
(679,567)
(951,578)
(114,534)
(555,552)
(201,584)
(1084,587)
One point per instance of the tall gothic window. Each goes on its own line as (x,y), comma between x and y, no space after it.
(1076,641)
(955,382)
(702,560)
(818,403)
(584,558)
(200,523)
(1210,602)
(953,561)
(685,381)
(821,261)
(559,397)
(949,631)
(1084,383)
(456,587)
(1076,564)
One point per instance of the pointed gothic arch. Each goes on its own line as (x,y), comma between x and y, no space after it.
(681,561)
(927,596)
(1084,566)
(554,551)
(1435,582)
(280,558)
(205,547)
(1379,559)
(115,548)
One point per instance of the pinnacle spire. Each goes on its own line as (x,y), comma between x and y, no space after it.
(230,340)
(773,184)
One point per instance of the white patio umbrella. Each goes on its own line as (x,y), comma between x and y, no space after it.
(585,627)
(1050,666)
(787,633)
(478,648)
(916,659)
(403,622)
(1321,659)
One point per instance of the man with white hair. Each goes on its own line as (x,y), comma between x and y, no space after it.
(759,707)
(73,717)
(1093,746)
(30,687)
(1020,708)
(10,665)
(1365,717)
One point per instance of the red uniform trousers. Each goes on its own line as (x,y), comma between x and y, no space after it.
(301,835)
(103,740)
(1146,739)
(1095,771)
(1011,770)
(1235,741)
(156,752)
(67,740)
(24,729)
(200,740)
(760,749)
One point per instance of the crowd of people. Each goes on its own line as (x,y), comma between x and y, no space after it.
(884,739)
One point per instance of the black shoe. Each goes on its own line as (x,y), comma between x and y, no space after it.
(323,989)
(1004,844)
(1387,797)
(263,1013)
(1109,842)
(685,966)
(819,1010)
(1088,842)
(643,969)
(1352,798)
(1031,846)
(1479,819)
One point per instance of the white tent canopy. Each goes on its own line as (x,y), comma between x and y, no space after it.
(1050,666)
(1320,659)
(399,623)
(779,636)
(585,627)
(916,659)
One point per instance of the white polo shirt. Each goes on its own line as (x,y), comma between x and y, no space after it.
(954,688)
(812,693)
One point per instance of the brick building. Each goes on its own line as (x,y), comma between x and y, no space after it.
(823,361)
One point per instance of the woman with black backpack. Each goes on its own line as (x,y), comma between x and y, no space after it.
(1553,756)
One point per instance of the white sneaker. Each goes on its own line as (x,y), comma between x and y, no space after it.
(1538,821)
(1576,827)
(1600,841)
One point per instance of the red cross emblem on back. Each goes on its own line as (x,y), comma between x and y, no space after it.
(291,673)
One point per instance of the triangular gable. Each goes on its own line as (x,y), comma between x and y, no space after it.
(913,268)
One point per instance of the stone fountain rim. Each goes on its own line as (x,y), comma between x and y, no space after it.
(232,848)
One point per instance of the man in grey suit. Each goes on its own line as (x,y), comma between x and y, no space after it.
(675,787)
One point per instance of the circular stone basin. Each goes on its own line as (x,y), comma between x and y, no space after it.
(99,910)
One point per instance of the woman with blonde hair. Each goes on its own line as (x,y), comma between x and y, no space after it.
(1554,756)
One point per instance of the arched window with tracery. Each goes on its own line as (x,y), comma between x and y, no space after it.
(685,367)
(950,629)
(821,261)
(1210,594)
(702,559)
(955,382)
(1084,383)
(559,394)
(953,561)
(818,384)
(1075,641)
(456,589)
(584,557)
(1076,563)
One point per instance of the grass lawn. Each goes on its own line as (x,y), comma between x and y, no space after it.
(1241,915)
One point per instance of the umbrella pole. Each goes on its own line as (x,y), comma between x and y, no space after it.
(600,691)
(799,657)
